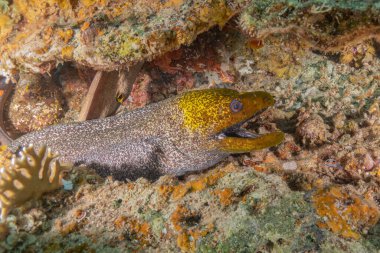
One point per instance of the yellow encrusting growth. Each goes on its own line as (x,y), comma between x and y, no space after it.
(225,196)
(217,11)
(66,35)
(28,177)
(5,25)
(67,52)
(345,213)
(187,238)
(174,3)
(33,10)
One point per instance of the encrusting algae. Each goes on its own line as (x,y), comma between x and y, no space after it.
(177,192)
(187,237)
(137,230)
(345,212)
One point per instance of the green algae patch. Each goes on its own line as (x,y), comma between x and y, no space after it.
(286,225)
(129,47)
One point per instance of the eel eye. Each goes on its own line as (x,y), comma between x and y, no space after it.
(236,105)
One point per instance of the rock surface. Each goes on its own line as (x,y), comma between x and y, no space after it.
(228,209)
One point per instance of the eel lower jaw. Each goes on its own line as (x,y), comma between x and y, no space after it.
(239,140)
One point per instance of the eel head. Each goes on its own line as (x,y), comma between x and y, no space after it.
(220,113)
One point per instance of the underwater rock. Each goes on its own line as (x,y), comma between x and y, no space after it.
(326,26)
(311,129)
(37,103)
(229,208)
(103,35)
(106,36)
(282,63)
(357,55)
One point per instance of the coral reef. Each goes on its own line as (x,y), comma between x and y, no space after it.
(328,26)
(105,35)
(261,213)
(319,191)
(241,208)
(28,177)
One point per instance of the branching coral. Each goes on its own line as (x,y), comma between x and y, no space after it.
(29,176)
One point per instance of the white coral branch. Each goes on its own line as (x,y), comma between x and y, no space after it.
(28,177)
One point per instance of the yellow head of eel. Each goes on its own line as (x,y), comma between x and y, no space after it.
(219,113)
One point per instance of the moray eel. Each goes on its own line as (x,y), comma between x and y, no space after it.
(185,133)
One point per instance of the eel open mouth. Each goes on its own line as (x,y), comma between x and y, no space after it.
(238,139)
(237,131)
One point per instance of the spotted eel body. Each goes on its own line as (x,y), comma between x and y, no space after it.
(189,132)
